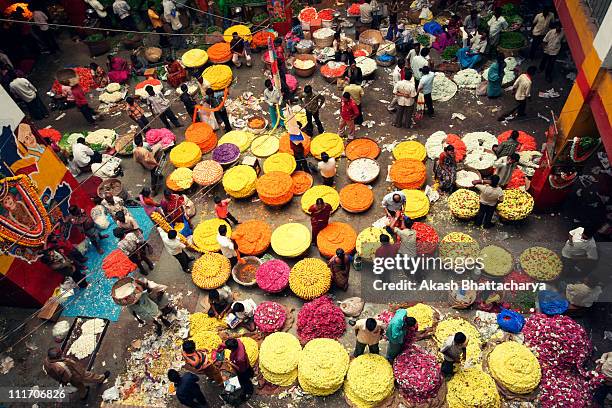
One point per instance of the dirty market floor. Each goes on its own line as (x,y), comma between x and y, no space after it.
(481,114)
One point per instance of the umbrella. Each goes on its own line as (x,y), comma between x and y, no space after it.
(117,265)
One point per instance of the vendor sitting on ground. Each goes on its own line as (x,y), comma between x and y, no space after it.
(244,311)
(454,350)
(582,295)
(240,48)
(200,362)
(580,251)
(220,300)
(472,55)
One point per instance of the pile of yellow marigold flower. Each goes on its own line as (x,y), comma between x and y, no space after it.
(515,367)
(239,181)
(472,388)
(424,315)
(210,271)
(369,381)
(327,193)
(450,326)
(322,366)
(252,349)
(310,278)
(290,240)
(368,241)
(185,154)
(205,234)
(278,358)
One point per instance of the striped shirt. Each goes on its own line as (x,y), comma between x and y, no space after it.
(135,111)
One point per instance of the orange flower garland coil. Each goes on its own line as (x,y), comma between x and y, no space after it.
(185,154)
(260,38)
(219,52)
(285,144)
(356,197)
(201,134)
(458,144)
(408,173)
(302,181)
(336,235)
(275,188)
(252,237)
(362,148)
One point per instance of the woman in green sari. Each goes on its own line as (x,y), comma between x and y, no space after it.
(495,77)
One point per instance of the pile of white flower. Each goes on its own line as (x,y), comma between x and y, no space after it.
(101,137)
(83,346)
(529,159)
(465,178)
(111,97)
(367,65)
(323,33)
(435,144)
(479,158)
(113,87)
(443,88)
(467,78)
(191,89)
(473,140)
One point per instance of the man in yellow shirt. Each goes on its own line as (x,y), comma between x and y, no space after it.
(356,92)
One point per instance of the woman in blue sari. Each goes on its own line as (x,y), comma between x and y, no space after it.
(469,56)
(496,77)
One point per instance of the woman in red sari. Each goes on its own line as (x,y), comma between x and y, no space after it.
(319,217)
(172,204)
(118,69)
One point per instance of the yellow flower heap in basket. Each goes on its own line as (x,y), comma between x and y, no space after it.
(541,263)
(275,188)
(410,149)
(330,143)
(210,271)
(278,358)
(202,322)
(252,349)
(180,179)
(240,181)
(369,381)
(218,76)
(458,245)
(472,388)
(310,278)
(322,366)
(424,315)
(240,138)
(328,194)
(464,204)
(496,260)
(517,205)
(291,240)
(185,154)
(515,367)
(243,31)
(450,326)
(205,234)
(368,241)
(206,340)
(265,145)
(417,204)
(194,58)
(284,162)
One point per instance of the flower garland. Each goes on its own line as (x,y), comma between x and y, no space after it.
(436,143)
(496,260)
(443,88)
(226,153)
(322,366)
(369,381)
(101,139)
(424,315)
(426,238)
(310,278)
(328,194)
(269,317)
(320,318)
(243,31)
(336,235)
(362,148)
(117,264)
(275,188)
(563,180)
(541,263)
(218,76)
(467,78)
(517,205)
(194,58)
(207,340)
(202,135)
(163,136)
(185,154)
(464,204)
(240,138)
(280,162)
(205,234)
(418,374)
(517,179)
(331,143)
(291,240)
(202,322)
(408,173)
(273,276)
(363,170)
(451,325)
(219,53)
(417,204)
(409,149)
(589,144)
(210,271)
(515,367)
(265,146)
(526,141)
(356,197)
(472,388)
(252,237)
(368,241)
(180,179)
(278,358)
(465,177)
(240,181)
(207,172)
(302,181)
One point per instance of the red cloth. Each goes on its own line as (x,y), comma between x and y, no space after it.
(79,95)
(280,54)
(202,4)
(173,208)
(349,110)
(221,209)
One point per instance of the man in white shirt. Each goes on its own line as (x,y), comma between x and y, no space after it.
(417,63)
(327,168)
(393,202)
(405,91)
(399,73)
(175,247)
(244,311)
(541,22)
(496,24)
(426,87)
(365,14)
(23,89)
(81,153)
(522,91)
(580,245)
(122,10)
(551,46)
(228,249)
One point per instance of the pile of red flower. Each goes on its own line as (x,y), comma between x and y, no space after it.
(51,134)
(320,318)
(562,347)
(269,317)
(458,144)
(417,373)
(85,80)
(517,180)
(273,276)
(426,238)
(526,141)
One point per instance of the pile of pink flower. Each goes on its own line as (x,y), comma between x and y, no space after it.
(273,276)
(417,373)
(269,317)
(163,136)
(320,318)
(562,347)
